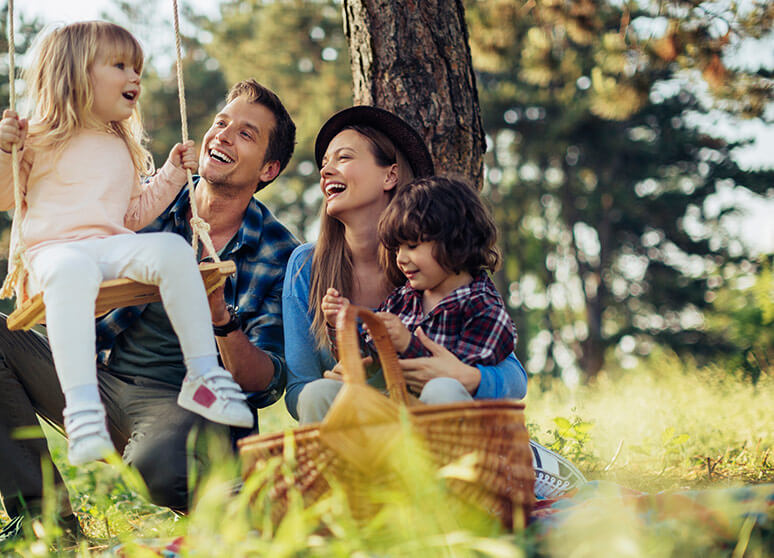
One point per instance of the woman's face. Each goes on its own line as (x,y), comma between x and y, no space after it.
(350,177)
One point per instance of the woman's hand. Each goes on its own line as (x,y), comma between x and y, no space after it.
(183,156)
(13,130)
(331,305)
(442,364)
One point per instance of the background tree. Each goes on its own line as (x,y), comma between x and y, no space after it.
(413,58)
(600,178)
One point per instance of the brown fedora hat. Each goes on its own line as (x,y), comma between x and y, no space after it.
(398,130)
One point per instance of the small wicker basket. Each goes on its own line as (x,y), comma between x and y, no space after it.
(358,435)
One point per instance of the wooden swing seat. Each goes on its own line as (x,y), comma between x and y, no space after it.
(117,293)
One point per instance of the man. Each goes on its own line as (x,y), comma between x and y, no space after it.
(140,362)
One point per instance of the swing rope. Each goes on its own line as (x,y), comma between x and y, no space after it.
(199,227)
(18,263)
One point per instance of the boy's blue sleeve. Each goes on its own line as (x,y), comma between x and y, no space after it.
(505,380)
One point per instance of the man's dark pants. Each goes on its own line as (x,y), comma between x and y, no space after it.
(144,421)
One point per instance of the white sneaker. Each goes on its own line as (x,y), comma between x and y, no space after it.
(554,475)
(217,397)
(87,436)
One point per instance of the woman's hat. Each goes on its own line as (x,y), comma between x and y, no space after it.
(395,128)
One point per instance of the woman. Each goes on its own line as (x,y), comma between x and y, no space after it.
(365,154)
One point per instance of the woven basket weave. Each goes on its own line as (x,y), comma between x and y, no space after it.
(354,442)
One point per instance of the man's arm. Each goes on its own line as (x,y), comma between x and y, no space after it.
(251,366)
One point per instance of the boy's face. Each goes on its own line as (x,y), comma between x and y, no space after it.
(417,262)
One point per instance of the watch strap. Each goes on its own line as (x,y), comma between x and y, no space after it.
(233,324)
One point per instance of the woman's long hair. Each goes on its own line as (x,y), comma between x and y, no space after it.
(332,260)
(61,94)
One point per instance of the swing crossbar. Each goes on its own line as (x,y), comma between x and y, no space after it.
(117,293)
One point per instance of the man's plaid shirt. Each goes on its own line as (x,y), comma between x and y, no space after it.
(471,322)
(261,249)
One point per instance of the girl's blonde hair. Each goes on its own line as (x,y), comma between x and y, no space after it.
(60,91)
(332,259)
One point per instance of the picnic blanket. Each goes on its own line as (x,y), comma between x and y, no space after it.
(712,517)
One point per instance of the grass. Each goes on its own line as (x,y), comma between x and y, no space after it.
(667,426)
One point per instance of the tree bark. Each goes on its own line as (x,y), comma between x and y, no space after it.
(412,57)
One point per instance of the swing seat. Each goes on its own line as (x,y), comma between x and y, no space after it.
(117,293)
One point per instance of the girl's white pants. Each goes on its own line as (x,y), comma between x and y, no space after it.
(69,274)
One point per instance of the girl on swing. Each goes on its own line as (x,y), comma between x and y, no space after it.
(82,160)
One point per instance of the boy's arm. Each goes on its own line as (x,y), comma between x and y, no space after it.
(487,335)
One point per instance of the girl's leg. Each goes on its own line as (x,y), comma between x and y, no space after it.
(69,280)
(167,260)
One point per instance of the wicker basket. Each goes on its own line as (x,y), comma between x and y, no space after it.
(362,427)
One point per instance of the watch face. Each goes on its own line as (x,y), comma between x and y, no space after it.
(233,323)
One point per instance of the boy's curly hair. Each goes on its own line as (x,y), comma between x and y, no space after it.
(447,211)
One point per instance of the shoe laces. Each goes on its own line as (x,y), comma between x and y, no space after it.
(549,486)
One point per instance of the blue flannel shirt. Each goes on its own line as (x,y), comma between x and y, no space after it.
(260,249)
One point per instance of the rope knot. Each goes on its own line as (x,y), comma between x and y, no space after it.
(199,224)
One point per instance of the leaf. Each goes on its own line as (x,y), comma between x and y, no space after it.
(562,424)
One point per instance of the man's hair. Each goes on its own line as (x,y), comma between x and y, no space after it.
(282,138)
(448,212)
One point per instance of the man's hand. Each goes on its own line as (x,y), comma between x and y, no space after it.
(13,130)
(397,332)
(331,304)
(184,156)
(217,300)
(443,364)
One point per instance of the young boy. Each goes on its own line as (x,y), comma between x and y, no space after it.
(442,239)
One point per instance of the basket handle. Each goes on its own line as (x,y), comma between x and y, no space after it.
(349,351)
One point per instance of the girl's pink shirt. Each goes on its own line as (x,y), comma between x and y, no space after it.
(90,191)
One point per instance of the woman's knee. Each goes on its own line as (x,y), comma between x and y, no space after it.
(444,390)
(316,398)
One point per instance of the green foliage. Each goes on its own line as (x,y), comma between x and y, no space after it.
(743,315)
(599,178)
(670,426)
(570,438)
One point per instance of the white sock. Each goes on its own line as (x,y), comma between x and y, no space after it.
(78,397)
(200,366)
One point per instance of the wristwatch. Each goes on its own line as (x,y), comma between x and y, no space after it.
(234,323)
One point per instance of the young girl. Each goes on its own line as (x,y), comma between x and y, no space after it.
(442,238)
(81,162)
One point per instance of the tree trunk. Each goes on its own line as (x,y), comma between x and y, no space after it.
(412,57)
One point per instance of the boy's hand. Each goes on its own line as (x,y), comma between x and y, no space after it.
(398,333)
(13,130)
(184,156)
(338,371)
(332,303)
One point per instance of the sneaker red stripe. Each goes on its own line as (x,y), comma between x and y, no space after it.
(204,396)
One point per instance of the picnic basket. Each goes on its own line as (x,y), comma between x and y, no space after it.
(360,431)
